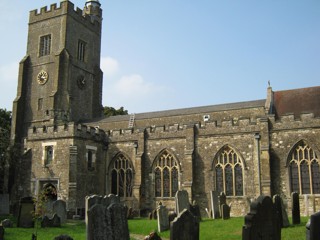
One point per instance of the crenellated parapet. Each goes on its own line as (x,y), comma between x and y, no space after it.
(290,121)
(66,131)
(64,8)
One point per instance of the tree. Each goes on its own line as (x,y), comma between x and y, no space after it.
(5,150)
(110,111)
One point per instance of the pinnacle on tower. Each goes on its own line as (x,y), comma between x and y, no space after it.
(92,8)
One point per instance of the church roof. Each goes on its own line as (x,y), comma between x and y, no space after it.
(188,111)
(297,101)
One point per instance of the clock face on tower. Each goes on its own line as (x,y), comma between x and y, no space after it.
(42,77)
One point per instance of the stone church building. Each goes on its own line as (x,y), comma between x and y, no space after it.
(245,149)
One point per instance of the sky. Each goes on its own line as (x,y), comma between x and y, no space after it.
(164,54)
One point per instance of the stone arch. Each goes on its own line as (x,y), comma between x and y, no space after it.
(121,172)
(303,167)
(228,171)
(165,169)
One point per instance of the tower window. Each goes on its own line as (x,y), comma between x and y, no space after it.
(91,157)
(81,50)
(45,45)
(48,155)
(40,103)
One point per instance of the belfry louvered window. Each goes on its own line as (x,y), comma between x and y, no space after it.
(122,176)
(304,170)
(229,172)
(166,175)
(45,45)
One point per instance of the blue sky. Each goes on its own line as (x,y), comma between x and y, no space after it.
(165,54)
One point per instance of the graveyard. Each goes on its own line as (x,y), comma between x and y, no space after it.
(106,217)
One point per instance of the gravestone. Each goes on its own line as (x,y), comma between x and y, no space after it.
(63,237)
(313,230)
(117,217)
(262,221)
(60,208)
(182,201)
(107,219)
(47,222)
(90,201)
(7,223)
(195,210)
(163,218)
(26,208)
(222,200)
(4,204)
(184,227)
(225,211)
(48,208)
(172,216)
(280,209)
(295,208)
(1,232)
(215,204)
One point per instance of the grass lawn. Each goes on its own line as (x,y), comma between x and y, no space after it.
(209,229)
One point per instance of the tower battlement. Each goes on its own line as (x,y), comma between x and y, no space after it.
(64,8)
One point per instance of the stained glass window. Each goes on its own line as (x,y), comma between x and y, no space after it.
(121,176)
(166,175)
(229,172)
(307,180)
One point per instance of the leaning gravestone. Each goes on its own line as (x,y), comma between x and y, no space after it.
(184,227)
(182,201)
(26,208)
(313,230)
(295,208)
(60,208)
(163,218)
(262,221)
(281,211)
(4,204)
(215,204)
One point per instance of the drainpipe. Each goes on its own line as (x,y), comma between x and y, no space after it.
(257,138)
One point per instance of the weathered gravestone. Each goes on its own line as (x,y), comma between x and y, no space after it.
(47,222)
(281,211)
(295,208)
(184,227)
(163,218)
(107,219)
(89,202)
(1,232)
(215,204)
(25,217)
(60,208)
(312,227)
(182,201)
(195,210)
(262,221)
(4,204)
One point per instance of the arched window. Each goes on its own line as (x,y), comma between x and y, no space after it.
(121,176)
(304,170)
(228,172)
(166,175)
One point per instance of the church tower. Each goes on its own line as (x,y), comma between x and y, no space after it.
(60,80)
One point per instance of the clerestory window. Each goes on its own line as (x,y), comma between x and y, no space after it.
(229,172)
(45,45)
(166,175)
(304,170)
(121,176)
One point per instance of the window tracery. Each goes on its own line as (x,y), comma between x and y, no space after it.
(229,172)
(121,176)
(166,173)
(304,170)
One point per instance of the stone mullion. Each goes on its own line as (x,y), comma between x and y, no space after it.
(310,176)
(299,174)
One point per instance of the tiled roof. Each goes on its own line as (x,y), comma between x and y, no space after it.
(188,111)
(297,101)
